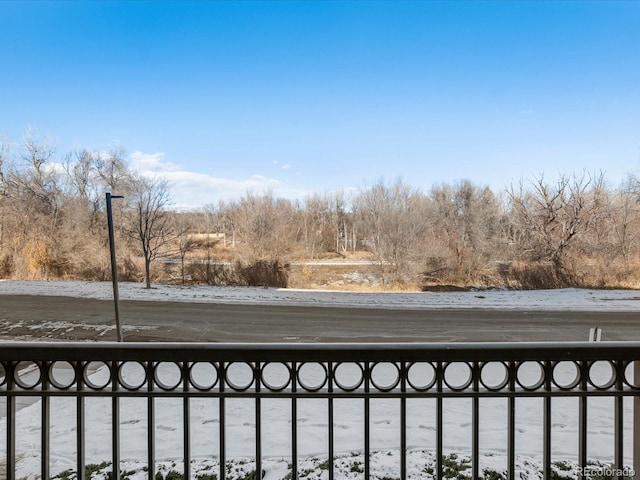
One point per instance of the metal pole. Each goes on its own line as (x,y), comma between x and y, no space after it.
(114,267)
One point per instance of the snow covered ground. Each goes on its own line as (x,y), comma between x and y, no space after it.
(313,433)
(312,414)
(312,430)
(564,299)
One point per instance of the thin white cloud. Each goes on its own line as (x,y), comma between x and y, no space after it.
(151,162)
(284,166)
(54,167)
(193,190)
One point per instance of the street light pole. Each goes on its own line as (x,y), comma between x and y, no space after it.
(114,267)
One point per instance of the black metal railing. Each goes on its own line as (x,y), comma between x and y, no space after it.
(326,372)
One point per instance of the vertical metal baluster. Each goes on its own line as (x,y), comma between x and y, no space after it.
(46,418)
(367,419)
(583,416)
(546,451)
(636,420)
(619,417)
(151,421)
(115,422)
(11,421)
(186,421)
(294,421)
(439,410)
(222,379)
(330,411)
(80,420)
(475,421)
(258,379)
(512,373)
(403,420)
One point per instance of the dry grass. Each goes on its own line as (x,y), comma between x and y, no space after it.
(3,467)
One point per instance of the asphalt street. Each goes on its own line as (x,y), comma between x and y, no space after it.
(24,317)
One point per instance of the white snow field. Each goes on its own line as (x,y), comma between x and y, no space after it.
(312,413)
(312,432)
(564,299)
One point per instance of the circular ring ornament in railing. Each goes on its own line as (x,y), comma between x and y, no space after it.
(167,375)
(312,376)
(242,374)
(602,374)
(96,375)
(3,376)
(348,376)
(456,371)
(530,375)
(27,375)
(385,376)
(132,375)
(203,375)
(494,376)
(276,376)
(629,378)
(566,375)
(421,376)
(62,375)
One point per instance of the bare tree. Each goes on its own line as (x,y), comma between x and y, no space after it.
(324,219)
(113,172)
(38,151)
(339,221)
(183,224)
(626,214)
(33,190)
(391,218)
(466,218)
(39,179)
(221,219)
(266,225)
(81,173)
(4,156)
(148,220)
(551,216)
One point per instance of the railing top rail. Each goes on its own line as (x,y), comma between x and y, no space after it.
(317,352)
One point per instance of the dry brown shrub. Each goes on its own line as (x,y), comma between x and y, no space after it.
(607,273)
(7,266)
(212,272)
(530,275)
(91,272)
(264,273)
(36,255)
(130,270)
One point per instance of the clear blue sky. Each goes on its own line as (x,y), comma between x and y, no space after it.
(315,96)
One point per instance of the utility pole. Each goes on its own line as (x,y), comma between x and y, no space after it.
(114,267)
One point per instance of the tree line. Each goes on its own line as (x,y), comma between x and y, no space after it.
(572,230)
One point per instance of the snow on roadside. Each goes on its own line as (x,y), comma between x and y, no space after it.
(562,299)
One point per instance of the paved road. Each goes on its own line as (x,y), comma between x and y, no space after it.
(63,318)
